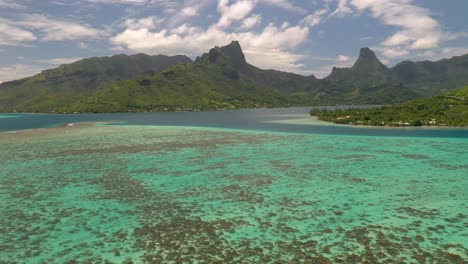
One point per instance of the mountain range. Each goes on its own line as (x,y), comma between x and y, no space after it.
(221,79)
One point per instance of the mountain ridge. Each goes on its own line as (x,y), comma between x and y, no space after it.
(68,82)
(220,79)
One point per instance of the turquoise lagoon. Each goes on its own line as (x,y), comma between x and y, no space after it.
(96,193)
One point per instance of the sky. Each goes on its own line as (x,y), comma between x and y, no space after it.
(301,36)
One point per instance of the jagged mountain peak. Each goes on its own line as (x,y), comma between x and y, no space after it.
(231,52)
(366,52)
(367,69)
(367,60)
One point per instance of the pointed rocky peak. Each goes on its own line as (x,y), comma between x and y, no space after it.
(367,53)
(234,52)
(368,61)
(231,53)
(367,68)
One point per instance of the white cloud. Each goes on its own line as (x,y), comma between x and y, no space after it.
(275,59)
(270,47)
(60,61)
(397,39)
(315,18)
(342,9)
(341,61)
(273,47)
(189,11)
(150,22)
(443,53)
(393,52)
(184,30)
(251,21)
(13,35)
(416,29)
(285,4)
(343,58)
(11,4)
(18,71)
(234,12)
(57,30)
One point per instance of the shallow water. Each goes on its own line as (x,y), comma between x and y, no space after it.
(203,195)
(295,120)
(8,116)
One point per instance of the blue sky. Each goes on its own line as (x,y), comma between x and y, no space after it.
(302,36)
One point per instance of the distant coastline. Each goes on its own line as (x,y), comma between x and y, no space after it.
(316,118)
(445,110)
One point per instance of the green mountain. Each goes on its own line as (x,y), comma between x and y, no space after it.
(448,109)
(219,79)
(430,78)
(222,79)
(368,81)
(55,88)
(366,70)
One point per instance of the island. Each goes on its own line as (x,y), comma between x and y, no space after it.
(447,109)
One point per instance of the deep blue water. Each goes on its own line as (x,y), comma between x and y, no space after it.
(254,119)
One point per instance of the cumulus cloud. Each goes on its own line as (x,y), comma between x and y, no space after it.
(150,22)
(340,61)
(251,21)
(269,48)
(443,53)
(57,30)
(416,29)
(233,12)
(343,59)
(394,52)
(272,47)
(315,18)
(13,35)
(342,9)
(33,27)
(276,59)
(189,11)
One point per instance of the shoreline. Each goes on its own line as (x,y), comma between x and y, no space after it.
(314,120)
(187,111)
(305,120)
(392,127)
(66,128)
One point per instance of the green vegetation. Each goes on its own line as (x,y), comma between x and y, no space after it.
(183,87)
(54,89)
(432,78)
(368,81)
(220,79)
(448,109)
